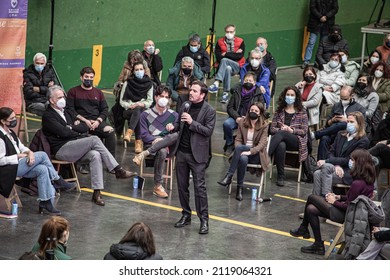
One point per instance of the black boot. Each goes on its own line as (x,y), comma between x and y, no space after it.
(97,198)
(302,231)
(48,206)
(227,180)
(239,193)
(61,184)
(280,180)
(316,248)
(307,170)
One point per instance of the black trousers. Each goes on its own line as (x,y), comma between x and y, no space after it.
(133,116)
(185,163)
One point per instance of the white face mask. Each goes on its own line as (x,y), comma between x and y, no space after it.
(229,35)
(345,102)
(61,103)
(333,64)
(378,74)
(255,63)
(150,49)
(162,102)
(344,59)
(374,59)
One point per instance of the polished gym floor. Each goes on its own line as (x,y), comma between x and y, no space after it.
(244,230)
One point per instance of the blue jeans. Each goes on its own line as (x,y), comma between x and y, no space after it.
(327,136)
(240,162)
(310,47)
(228,127)
(44,171)
(226,69)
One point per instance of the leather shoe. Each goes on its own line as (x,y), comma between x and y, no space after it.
(123,174)
(184,220)
(204,227)
(227,180)
(300,232)
(317,248)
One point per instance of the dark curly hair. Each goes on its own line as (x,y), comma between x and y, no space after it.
(282,102)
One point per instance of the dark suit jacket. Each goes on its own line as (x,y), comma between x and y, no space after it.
(201,130)
(58,132)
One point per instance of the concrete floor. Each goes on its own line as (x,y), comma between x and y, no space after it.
(243,230)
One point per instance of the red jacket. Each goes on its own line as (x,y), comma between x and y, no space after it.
(221,47)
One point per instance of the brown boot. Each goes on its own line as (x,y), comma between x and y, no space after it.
(140,157)
(138,146)
(128,135)
(123,174)
(97,198)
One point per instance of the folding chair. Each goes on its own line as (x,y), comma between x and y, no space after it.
(23,118)
(299,168)
(336,240)
(58,163)
(168,172)
(6,203)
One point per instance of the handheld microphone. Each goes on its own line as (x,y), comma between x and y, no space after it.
(186,107)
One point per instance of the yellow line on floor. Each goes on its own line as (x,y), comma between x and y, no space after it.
(106,91)
(289,197)
(212,217)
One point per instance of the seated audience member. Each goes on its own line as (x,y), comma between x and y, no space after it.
(16,160)
(351,68)
(329,45)
(267,59)
(53,240)
(229,53)
(384,49)
(180,78)
(262,77)
(90,107)
(136,96)
(365,95)
(311,94)
(69,141)
(152,57)
(332,79)
(288,130)
(195,50)
(336,121)
(137,244)
(379,247)
(381,144)
(37,78)
(153,123)
(335,168)
(372,59)
(334,206)
(242,97)
(381,84)
(251,146)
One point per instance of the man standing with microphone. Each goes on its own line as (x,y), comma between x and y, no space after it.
(192,153)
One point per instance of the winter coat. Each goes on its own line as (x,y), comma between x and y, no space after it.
(201,57)
(331,77)
(327,47)
(235,100)
(312,104)
(362,213)
(351,73)
(129,251)
(319,8)
(383,91)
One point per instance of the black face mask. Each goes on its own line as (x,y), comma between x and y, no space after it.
(361,85)
(12,123)
(186,71)
(248,86)
(335,37)
(308,79)
(87,83)
(253,116)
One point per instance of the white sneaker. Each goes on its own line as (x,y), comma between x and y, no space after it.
(225,97)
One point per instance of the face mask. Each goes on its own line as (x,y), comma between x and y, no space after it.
(290,100)
(12,123)
(255,63)
(388,44)
(261,48)
(378,74)
(229,36)
(187,71)
(193,49)
(351,129)
(248,86)
(253,116)
(39,68)
(61,103)
(333,64)
(335,37)
(139,74)
(87,83)
(350,164)
(308,79)
(150,49)
(162,102)
(361,85)
(374,59)
(345,102)
(344,59)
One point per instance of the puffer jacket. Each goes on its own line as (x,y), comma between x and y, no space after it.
(362,213)
(333,77)
(129,251)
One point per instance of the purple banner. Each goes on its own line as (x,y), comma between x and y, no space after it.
(11,63)
(13,9)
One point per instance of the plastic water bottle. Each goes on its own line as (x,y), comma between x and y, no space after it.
(254,194)
(135,182)
(14,210)
(334,249)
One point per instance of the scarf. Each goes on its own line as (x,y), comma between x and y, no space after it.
(137,89)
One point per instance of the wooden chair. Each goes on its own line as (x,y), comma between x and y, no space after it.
(58,163)
(299,168)
(6,203)
(168,172)
(336,240)
(23,118)
(325,112)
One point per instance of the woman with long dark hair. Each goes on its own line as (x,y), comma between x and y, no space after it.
(334,206)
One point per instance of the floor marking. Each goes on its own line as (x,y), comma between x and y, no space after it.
(289,197)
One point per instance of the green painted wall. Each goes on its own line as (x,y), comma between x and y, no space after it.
(123,25)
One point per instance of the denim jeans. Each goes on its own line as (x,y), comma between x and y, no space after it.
(239,162)
(226,69)
(310,47)
(43,170)
(228,127)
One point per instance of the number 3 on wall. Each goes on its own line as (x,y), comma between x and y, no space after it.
(97,54)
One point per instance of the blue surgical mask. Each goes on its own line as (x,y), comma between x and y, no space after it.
(351,128)
(290,100)
(39,68)
(261,48)
(139,74)
(193,49)
(350,164)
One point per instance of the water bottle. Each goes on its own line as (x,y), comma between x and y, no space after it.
(334,249)
(14,209)
(254,194)
(135,182)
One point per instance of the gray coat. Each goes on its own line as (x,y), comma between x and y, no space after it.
(361,214)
